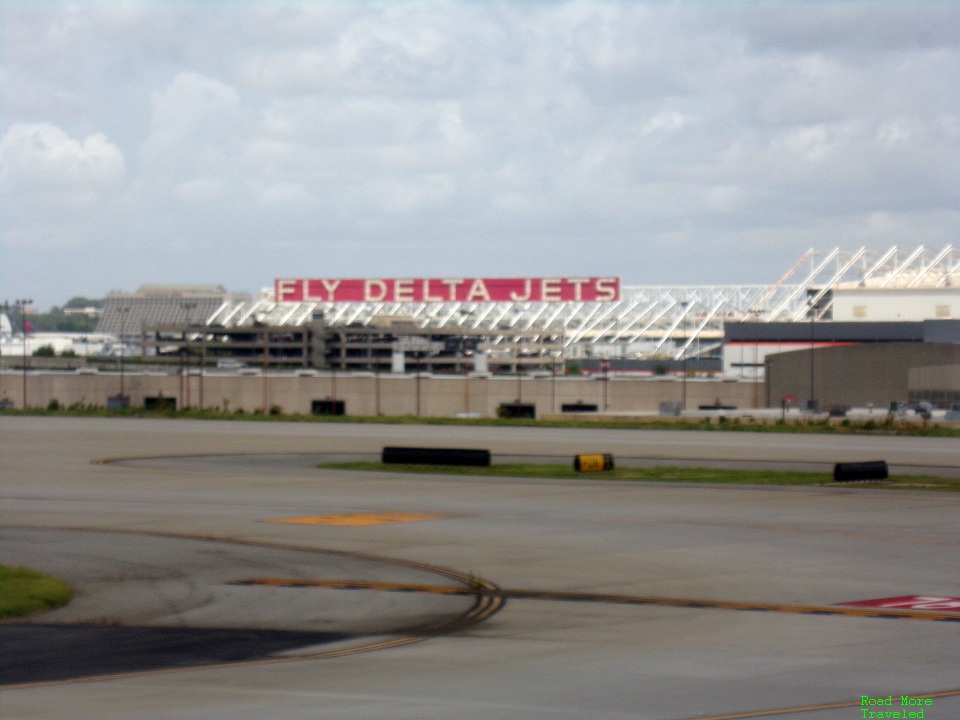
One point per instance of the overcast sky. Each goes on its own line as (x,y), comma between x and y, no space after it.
(662,142)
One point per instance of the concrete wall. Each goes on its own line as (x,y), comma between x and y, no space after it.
(437,396)
(939,384)
(855,375)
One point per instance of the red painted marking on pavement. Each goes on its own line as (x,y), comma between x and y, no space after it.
(912,602)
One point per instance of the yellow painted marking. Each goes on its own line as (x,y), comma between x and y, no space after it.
(359,519)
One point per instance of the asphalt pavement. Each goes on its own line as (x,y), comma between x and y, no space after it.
(298,592)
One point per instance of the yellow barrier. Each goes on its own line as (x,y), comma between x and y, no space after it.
(592,463)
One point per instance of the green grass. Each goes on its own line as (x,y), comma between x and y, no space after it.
(24,591)
(651,474)
(719,424)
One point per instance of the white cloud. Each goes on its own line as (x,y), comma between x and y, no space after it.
(201,190)
(665,122)
(285,196)
(443,136)
(41,157)
(194,126)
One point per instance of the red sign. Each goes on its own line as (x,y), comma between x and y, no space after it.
(579,289)
(912,602)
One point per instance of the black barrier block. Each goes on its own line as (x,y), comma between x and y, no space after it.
(849,472)
(328,407)
(159,403)
(517,410)
(579,407)
(436,456)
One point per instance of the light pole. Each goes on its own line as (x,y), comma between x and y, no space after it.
(811,406)
(756,353)
(376,382)
(466,375)
(683,354)
(333,388)
(188,312)
(22,304)
(605,367)
(418,382)
(6,309)
(519,386)
(553,381)
(266,356)
(123,350)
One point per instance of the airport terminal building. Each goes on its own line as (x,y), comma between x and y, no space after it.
(593,325)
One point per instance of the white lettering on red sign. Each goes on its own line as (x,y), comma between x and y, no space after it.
(409,290)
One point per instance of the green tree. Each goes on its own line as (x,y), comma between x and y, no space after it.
(56,320)
(79,303)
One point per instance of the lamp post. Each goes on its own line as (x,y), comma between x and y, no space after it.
(188,310)
(22,303)
(756,353)
(605,368)
(553,381)
(464,354)
(419,360)
(811,406)
(683,355)
(201,360)
(6,309)
(519,386)
(263,370)
(123,350)
(333,388)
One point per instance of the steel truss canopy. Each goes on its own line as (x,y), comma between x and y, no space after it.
(662,320)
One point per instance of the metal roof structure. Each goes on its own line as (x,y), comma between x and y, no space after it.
(663,320)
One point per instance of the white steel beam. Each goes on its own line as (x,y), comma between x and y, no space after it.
(884,259)
(924,271)
(948,277)
(686,307)
(699,329)
(903,266)
(587,325)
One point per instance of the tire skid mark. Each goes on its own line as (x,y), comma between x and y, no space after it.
(482,590)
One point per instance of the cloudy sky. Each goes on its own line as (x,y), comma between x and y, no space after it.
(695,142)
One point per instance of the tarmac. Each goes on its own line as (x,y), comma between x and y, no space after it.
(220,574)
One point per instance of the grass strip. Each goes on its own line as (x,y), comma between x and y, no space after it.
(24,591)
(715,424)
(650,474)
